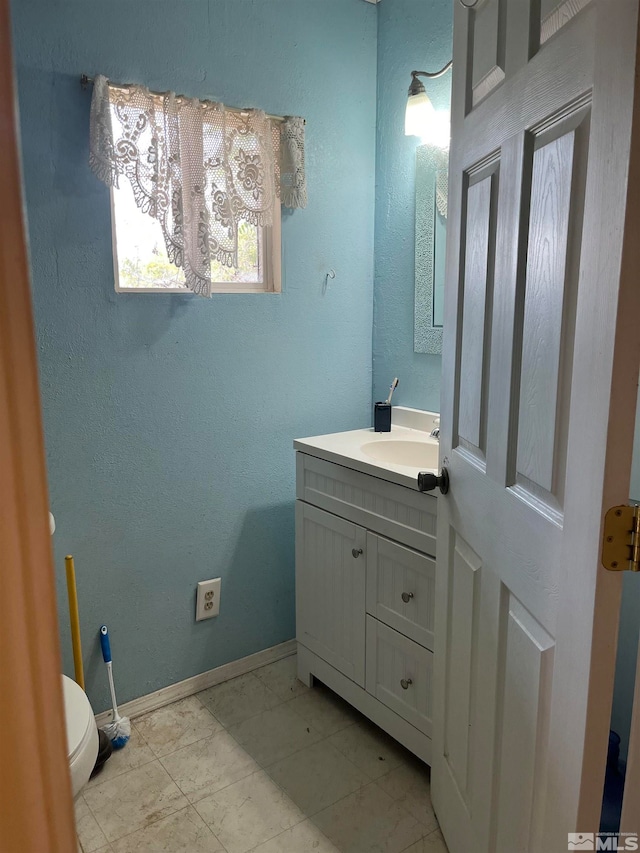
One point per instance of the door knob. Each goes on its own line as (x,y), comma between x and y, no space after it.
(405,682)
(406,597)
(427,482)
(356,552)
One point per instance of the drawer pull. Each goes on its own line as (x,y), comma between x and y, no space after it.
(407,596)
(405,682)
(356,552)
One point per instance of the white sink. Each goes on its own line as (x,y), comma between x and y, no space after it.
(395,456)
(417,454)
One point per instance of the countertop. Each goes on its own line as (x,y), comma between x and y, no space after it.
(345,448)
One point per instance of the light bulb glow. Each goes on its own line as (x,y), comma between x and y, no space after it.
(418,115)
(439,131)
(421,119)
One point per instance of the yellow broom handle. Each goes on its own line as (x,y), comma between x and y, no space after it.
(75,620)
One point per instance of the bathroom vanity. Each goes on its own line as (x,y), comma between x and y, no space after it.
(365,571)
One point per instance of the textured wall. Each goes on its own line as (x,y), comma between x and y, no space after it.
(169,420)
(412,34)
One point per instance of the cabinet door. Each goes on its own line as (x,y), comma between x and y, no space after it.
(330,589)
(401,588)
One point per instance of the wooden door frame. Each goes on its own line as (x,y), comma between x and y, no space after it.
(36,812)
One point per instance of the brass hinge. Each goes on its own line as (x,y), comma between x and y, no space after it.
(621,539)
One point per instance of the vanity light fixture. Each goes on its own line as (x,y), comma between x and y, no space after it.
(420,118)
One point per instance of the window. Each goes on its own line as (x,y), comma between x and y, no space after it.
(194,185)
(141,264)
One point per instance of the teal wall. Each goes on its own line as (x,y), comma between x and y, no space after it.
(412,34)
(169,420)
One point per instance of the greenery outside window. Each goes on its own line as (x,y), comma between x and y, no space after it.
(141,264)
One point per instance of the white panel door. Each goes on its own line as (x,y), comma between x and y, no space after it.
(330,589)
(540,365)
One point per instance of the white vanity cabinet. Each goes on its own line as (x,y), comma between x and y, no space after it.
(330,589)
(365,588)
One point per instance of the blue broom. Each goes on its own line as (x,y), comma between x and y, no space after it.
(119,729)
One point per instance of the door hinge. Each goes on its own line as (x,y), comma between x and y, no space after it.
(621,539)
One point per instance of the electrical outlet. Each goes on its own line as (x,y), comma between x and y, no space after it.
(208,599)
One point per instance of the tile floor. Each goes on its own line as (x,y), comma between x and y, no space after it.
(263,764)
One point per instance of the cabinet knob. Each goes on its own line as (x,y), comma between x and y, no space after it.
(405,682)
(356,552)
(407,596)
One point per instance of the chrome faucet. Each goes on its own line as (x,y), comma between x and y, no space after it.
(435,432)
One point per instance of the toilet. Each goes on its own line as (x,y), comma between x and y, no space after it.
(82,734)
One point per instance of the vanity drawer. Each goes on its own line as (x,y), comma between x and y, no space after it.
(386,508)
(401,587)
(399,674)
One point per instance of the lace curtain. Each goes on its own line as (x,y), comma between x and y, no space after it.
(197,167)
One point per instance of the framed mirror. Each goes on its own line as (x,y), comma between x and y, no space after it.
(432,178)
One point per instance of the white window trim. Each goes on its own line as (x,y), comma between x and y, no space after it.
(272,263)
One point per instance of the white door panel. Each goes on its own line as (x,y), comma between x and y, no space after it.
(556,13)
(462,644)
(538,404)
(481,198)
(488,58)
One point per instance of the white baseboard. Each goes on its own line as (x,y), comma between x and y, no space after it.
(167,695)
